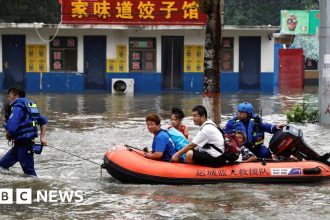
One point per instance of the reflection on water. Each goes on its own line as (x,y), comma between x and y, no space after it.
(88,124)
(110,109)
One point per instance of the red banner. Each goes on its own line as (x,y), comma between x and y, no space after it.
(133,12)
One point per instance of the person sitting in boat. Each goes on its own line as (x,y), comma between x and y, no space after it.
(254,129)
(162,145)
(208,146)
(247,155)
(176,121)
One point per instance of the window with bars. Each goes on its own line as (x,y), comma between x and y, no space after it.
(63,54)
(227,54)
(142,54)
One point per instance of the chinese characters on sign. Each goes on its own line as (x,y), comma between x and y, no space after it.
(63,53)
(133,12)
(238,172)
(227,54)
(119,63)
(35,58)
(193,58)
(142,54)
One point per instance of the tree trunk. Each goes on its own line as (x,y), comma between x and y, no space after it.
(211,102)
(212,61)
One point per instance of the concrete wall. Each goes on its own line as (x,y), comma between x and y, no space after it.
(144,82)
(267,49)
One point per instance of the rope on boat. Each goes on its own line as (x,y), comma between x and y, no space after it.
(85,159)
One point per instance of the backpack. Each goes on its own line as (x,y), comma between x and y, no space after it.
(232,146)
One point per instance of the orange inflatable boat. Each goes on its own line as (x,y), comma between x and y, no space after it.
(129,165)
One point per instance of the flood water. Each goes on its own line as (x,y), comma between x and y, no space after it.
(88,124)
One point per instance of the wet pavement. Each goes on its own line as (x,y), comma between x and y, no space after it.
(88,124)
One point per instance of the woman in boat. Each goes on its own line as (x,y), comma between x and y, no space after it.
(162,146)
(176,117)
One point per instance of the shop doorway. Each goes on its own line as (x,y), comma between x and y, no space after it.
(291,69)
(13,54)
(172,62)
(249,63)
(94,62)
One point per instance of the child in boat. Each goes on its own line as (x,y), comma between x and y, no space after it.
(176,121)
(253,127)
(247,155)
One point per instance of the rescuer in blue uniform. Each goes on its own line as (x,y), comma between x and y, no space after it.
(21,128)
(254,129)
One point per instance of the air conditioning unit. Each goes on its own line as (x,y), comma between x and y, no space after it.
(122,86)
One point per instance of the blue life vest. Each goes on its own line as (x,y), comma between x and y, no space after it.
(28,127)
(178,138)
(254,132)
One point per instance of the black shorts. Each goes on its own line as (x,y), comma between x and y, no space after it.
(203,158)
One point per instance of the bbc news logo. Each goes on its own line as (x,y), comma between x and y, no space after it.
(25,196)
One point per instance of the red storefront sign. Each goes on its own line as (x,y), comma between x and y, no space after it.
(133,12)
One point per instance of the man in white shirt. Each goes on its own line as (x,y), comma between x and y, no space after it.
(208,146)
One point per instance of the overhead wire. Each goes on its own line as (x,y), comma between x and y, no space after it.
(56,32)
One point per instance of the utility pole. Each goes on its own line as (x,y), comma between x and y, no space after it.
(324,63)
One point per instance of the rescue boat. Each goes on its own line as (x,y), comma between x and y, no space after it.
(129,165)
